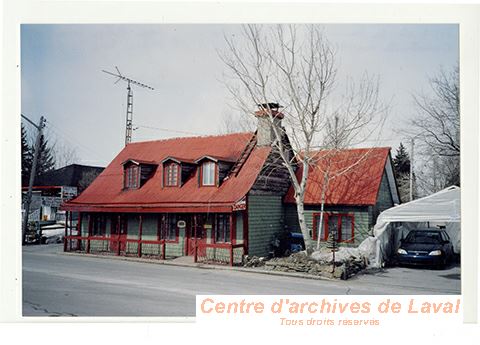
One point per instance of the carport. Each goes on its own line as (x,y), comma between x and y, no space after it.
(439,209)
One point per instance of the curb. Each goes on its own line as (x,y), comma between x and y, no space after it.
(203,266)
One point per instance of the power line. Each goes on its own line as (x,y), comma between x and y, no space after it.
(170,130)
(71,140)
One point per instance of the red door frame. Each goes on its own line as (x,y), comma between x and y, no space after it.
(192,235)
(118,237)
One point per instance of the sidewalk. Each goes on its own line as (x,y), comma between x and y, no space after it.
(187,261)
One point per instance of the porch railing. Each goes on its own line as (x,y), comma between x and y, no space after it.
(115,246)
(219,253)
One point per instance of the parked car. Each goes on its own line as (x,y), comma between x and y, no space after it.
(288,243)
(429,247)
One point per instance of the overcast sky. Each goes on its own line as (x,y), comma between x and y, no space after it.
(62,78)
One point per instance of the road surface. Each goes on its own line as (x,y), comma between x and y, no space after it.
(55,284)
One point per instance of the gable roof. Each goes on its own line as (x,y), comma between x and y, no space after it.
(106,192)
(356,175)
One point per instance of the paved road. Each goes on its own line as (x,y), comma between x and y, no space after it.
(60,285)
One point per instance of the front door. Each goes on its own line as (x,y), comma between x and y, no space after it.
(196,235)
(118,234)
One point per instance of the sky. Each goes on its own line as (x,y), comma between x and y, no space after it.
(62,79)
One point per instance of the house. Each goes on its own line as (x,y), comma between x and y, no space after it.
(74,175)
(216,198)
(56,186)
(360,184)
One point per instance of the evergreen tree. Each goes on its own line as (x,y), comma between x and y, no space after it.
(401,162)
(401,167)
(46,160)
(26,158)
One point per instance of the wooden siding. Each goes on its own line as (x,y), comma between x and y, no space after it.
(273,179)
(223,170)
(146,172)
(187,170)
(265,221)
(384,198)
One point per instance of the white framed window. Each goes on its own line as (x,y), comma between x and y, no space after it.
(171,175)
(132,177)
(208,174)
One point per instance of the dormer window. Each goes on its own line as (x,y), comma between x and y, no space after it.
(137,172)
(171,174)
(208,173)
(132,177)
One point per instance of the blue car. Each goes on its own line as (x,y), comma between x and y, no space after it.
(427,247)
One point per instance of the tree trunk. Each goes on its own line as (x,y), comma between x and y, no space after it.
(303,226)
(322,208)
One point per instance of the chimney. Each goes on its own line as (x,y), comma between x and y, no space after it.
(265,114)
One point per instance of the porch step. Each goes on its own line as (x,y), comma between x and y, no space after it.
(183,260)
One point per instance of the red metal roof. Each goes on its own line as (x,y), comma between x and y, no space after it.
(356,175)
(106,192)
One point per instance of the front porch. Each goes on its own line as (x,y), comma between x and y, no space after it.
(205,237)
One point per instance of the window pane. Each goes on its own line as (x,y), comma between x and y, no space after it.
(172,227)
(346,228)
(171,175)
(333,226)
(227,228)
(114,225)
(134,176)
(174,174)
(123,225)
(222,228)
(219,228)
(208,173)
(98,226)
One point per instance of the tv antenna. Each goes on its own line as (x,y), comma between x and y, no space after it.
(130,82)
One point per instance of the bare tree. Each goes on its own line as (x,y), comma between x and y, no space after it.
(297,66)
(434,173)
(234,122)
(64,154)
(437,130)
(403,183)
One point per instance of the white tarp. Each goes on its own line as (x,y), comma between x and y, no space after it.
(441,207)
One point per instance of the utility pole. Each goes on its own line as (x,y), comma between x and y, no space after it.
(129,120)
(39,128)
(411,169)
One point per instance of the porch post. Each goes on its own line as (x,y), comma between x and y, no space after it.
(66,232)
(195,225)
(119,228)
(231,238)
(71,226)
(89,232)
(245,232)
(160,234)
(233,227)
(79,231)
(140,225)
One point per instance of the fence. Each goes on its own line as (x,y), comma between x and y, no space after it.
(219,253)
